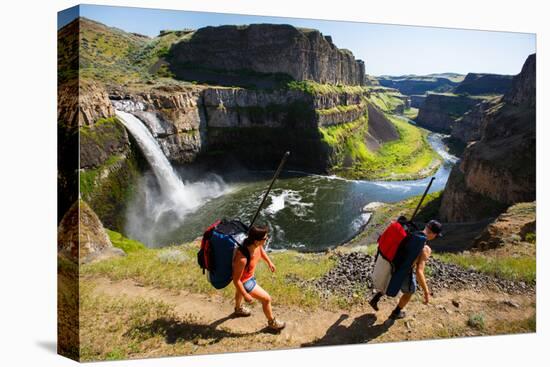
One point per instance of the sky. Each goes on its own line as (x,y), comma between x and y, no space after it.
(386,49)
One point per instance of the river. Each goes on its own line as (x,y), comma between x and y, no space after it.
(304,211)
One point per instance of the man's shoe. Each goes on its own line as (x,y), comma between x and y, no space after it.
(398,315)
(374,304)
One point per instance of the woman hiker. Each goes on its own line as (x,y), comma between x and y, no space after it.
(244,264)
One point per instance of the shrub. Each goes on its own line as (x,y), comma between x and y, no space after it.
(477,321)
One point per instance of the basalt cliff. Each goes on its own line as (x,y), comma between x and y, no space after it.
(477,84)
(498,170)
(459,111)
(438,112)
(302,54)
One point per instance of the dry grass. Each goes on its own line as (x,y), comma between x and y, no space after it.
(175,268)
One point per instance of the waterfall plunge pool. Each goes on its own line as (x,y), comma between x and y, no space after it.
(303,211)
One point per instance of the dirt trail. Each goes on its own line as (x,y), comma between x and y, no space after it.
(321,327)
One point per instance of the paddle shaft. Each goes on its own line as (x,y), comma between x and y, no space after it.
(269,188)
(422,199)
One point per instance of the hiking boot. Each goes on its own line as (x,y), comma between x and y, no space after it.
(275,324)
(374,301)
(242,311)
(397,315)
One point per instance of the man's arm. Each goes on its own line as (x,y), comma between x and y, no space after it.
(422,259)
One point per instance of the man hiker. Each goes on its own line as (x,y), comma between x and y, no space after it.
(409,263)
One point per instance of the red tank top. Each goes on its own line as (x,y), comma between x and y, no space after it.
(248,272)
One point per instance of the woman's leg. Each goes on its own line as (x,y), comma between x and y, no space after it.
(238,298)
(261,295)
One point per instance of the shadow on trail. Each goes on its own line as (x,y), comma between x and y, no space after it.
(361,330)
(265,330)
(176,330)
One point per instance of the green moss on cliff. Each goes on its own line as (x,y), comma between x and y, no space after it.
(411,113)
(346,141)
(108,189)
(89,177)
(104,131)
(314,88)
(410,156)
(108,179)
(340,109)
(386,101)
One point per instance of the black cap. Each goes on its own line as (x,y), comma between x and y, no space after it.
(435,227)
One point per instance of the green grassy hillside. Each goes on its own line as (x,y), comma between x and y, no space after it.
(409,156)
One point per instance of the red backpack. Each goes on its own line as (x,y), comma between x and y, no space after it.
(204,256)
(391,239)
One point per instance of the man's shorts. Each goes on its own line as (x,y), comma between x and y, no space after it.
(409,284)
(249,284)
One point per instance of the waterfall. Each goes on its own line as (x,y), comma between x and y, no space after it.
(153,214)
(169,182)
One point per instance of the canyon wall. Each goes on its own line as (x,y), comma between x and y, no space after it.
(499,169)
(476,84)
(468,127)
(302,54)
(417,84)
(417,100)
(192,122)
(440,111)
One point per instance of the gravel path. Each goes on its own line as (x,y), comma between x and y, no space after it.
(351,277)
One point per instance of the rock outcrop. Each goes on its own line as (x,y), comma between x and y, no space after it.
(440,111)
(81,103)
(417,100)
(237,107)
(110,165)
(191,121)
(523,90)
(468,127)
(477,84)
(270,122)
(380,128)
(81,237)
(101,141)
(514,226)
(302,54)
(498,170)
(173,114)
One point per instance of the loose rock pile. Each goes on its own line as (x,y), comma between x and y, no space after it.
(351,277)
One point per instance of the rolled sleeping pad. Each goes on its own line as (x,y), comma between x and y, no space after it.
(403,261)
(381,274)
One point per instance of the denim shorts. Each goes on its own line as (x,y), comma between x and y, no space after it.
(250,284)
(409,284)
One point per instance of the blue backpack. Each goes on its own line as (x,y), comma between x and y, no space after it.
(403,261)
(217,249)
